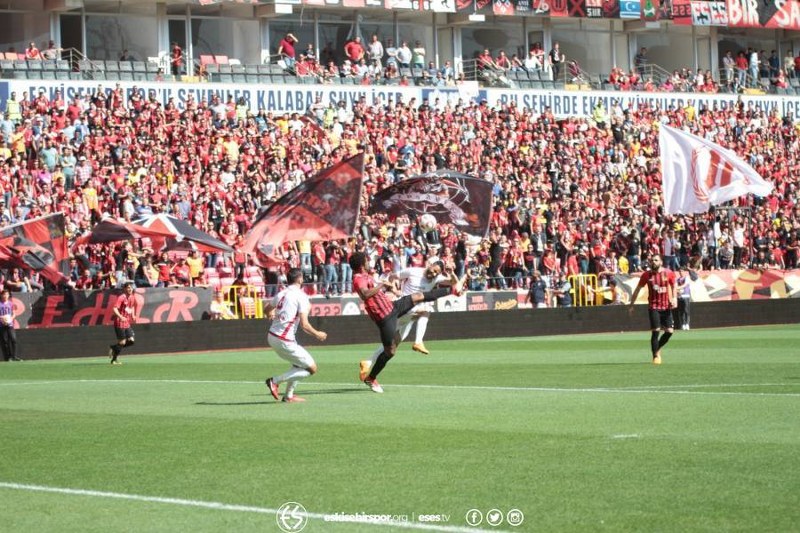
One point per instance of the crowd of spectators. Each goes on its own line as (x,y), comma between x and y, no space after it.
(572,195)
(367,63)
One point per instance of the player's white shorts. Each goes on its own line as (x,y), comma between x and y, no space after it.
(291,351)
(412,315)
(422,307)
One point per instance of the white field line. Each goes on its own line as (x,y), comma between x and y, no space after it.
(626,436)
(710,386)
(599,390)
(219,506)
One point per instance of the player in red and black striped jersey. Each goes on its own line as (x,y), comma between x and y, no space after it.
(386,312)
(661,300)
(125,311)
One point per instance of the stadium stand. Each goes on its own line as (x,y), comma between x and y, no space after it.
(569,192)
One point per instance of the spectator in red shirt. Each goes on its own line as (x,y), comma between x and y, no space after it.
(176,59)
(181,273)
(32,53)
(286,50)
(354,50)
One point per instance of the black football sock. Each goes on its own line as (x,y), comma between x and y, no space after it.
(435,294)
(664,339)
(654,344)
(383,358)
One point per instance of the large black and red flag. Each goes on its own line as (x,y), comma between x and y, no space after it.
(451,197)
(321,208)
(39,244)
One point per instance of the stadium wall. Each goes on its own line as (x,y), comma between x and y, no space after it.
(92,341)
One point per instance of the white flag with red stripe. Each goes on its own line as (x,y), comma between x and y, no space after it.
(697,173)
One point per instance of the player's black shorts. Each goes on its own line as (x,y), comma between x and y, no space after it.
(388,326)
(123,333)
(661,319)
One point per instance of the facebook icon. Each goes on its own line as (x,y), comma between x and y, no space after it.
(474,517)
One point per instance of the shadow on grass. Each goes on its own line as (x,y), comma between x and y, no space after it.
(353,390)
(637,363)
(272,402)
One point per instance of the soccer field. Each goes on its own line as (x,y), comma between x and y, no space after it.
(578,433)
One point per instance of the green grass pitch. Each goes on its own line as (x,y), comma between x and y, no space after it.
(578,433)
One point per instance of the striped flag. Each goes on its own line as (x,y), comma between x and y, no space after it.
(697,173)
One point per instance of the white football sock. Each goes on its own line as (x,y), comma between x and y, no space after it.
(290,389)
(422,325)
(378,351)
(406,330)
(293,374)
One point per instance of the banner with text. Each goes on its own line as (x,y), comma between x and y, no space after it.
(298,98)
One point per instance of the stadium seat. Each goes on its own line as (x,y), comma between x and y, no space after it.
(111,66)
(251,78)
(237,68)
(63,75)
(139,66)
(214,283)
(48,74)
(226,78)
(112,75)
(252,272)
(20,65)
(62,64)
(221,60)
(206,60)
(225,270)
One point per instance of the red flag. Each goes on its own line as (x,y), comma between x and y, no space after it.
(39,244)
(321,208)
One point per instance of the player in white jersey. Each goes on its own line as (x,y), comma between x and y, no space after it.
(288,310)
(414,279)
(418,279)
